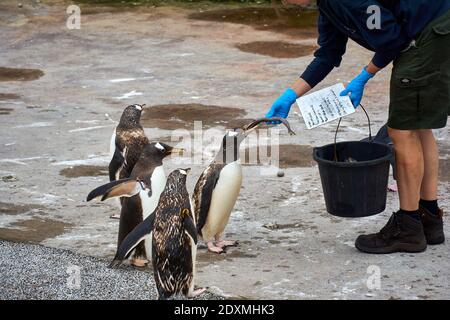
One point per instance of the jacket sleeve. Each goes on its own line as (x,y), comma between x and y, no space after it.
(388,39)
(332,45)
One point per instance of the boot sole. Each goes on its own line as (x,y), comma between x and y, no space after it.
(437,241)
(398,247)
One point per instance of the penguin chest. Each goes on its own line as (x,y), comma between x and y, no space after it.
(223,199)
(158,182)
(149,204)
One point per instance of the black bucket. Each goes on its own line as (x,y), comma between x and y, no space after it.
(357,188)
(354,176)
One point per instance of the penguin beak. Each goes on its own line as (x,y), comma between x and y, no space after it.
(255,124)
(178,151)
(185,171)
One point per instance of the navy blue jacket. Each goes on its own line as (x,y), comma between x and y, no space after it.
(401,22)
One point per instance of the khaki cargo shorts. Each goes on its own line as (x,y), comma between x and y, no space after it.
(420,81)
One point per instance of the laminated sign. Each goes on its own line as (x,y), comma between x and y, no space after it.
(324,106)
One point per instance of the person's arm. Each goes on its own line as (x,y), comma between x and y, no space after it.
(300,87)
(372,68)
(388,41)
(332,45)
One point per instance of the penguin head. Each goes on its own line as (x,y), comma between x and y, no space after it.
(233,136)
(132,114)
(160,150)
(176,181)
(229,150)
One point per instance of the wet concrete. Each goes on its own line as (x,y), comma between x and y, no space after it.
(13,209)
(444,170)
(84,171)
(34,230)
(15,74)
(205,257)
(277,49)
(293,21)
(167,58)
(290,156)
(182,116)
(9,96)
(5,111)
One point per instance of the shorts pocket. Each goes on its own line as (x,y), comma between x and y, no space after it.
(442,29)
(413,101)
(416,82)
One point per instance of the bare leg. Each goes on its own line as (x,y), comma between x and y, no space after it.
(213,248)
(139,262)
(410,166)
(196,293)
(431,165)
(224,243)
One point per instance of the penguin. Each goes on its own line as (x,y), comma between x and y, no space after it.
(140,192)
(174,240)
(127,142)
(218,187)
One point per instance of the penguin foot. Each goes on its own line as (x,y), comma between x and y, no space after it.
(226,243)
(196,293)
(139,262)
(115,216)
(213,248)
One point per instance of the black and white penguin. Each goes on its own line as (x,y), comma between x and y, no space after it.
(174,240)
(127,142)
(218,187)
(140,192)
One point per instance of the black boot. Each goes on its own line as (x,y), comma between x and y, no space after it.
(402,233)
(433,225)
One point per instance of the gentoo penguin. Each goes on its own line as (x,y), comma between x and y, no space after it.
(140,193)
(218,187)
(127,142)
(174,240)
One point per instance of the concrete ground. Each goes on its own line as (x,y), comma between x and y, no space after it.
(56,121)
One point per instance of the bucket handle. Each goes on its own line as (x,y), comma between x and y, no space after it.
(337,129)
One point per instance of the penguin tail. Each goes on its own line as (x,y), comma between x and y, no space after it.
(115,263)
(141,232)
(118,188)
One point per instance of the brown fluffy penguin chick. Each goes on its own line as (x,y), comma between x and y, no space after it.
(127,142)
(140,194)
(174,240)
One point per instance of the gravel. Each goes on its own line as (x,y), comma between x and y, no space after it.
(30,271)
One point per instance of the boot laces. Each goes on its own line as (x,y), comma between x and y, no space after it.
(392,228)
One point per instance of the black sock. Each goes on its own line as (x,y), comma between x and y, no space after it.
(431,206)
(413,214)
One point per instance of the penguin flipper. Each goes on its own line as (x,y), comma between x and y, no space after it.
(100,191)
(116,163)
(139,233)
(190,228)
(125,189)
(206,196)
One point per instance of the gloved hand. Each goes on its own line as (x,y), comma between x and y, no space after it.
(356,87)
(282,105)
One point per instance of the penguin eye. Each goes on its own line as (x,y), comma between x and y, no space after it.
(159,146)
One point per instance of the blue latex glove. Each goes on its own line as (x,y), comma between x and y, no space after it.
(282,105)
(356,87)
